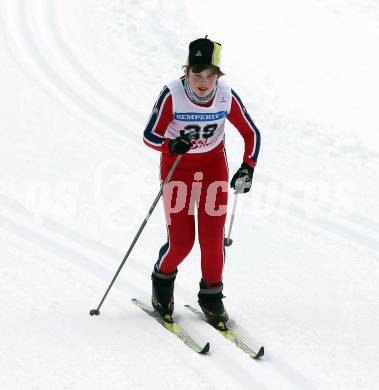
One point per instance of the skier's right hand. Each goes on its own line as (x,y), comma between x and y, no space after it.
(180,145)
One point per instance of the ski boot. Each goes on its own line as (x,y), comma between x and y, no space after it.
(163,294)
(210,300)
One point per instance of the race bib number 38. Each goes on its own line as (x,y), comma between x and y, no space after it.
(202,136)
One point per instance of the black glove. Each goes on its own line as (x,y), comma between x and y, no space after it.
(180,145)
(244,175)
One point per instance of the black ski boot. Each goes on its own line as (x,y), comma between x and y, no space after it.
(210,301)
(163,294)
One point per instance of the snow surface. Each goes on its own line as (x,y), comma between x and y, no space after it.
(78,80)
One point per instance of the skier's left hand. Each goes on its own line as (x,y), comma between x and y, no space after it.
(241,181)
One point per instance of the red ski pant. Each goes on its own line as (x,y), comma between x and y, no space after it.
(198,186)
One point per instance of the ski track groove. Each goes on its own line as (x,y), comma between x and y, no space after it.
(54,245)
(55,79)
(41,83)
(82,72)
(51,81)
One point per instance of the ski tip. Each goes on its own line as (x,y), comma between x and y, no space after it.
(168,318)
(260,353)
(205,349)
(221,326)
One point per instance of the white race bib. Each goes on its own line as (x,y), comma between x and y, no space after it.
(207,122)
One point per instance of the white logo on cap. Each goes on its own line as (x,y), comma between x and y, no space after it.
(198,53)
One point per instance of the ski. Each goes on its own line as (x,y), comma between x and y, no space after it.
(230,335)
(173,327)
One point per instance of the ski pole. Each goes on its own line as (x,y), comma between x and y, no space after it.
(228,241)
(172,170)
(238,190)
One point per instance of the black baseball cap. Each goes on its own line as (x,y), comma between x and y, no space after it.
(203,51)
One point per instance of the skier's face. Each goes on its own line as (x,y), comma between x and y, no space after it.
(202,83)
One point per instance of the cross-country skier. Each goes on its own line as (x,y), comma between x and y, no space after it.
(197,102)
